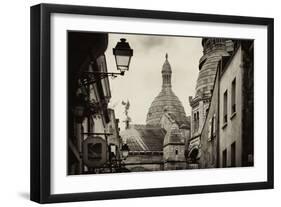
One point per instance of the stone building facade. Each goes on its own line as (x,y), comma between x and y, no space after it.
(209,135)
(213,50)
(88,114)
(227,135)
(236,108)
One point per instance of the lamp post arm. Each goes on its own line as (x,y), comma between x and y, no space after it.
(105,73)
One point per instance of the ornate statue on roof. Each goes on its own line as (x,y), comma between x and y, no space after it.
(126,111)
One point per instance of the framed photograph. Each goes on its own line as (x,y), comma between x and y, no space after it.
(132,103)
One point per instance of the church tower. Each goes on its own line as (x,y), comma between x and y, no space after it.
(166,74)
(213,50)
(174,143)
(166,99)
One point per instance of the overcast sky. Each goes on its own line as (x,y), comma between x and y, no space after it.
(143,82)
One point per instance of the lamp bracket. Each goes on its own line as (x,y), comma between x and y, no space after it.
(93,77)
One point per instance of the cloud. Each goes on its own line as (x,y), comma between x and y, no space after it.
(150,42)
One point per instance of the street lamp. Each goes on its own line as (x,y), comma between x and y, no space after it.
(123,54)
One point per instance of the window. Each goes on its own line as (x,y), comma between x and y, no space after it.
(233,96)
(210,129)
(225,107)
(224,158)
(214,126)
(213,151)
(196,121)
(233,154)
(177,152)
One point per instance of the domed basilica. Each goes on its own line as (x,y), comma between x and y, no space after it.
(166,99)
(161,143)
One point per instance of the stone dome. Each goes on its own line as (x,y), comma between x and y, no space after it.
(166,101)
(214,49)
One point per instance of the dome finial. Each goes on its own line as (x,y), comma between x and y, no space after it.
(166,56)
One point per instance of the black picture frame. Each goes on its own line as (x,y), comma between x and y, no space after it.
(41,94)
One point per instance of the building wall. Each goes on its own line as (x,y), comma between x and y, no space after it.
(175,165)
(112,128)
(231,131)
(113,139)
(213,50)
(174,158)
(209,135)
(200,108)
(194,141)
(174,152)
(144,162)
(79,61)
(145,167)
(203,112)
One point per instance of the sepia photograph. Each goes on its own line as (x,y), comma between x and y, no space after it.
(129,103)
(146,102)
